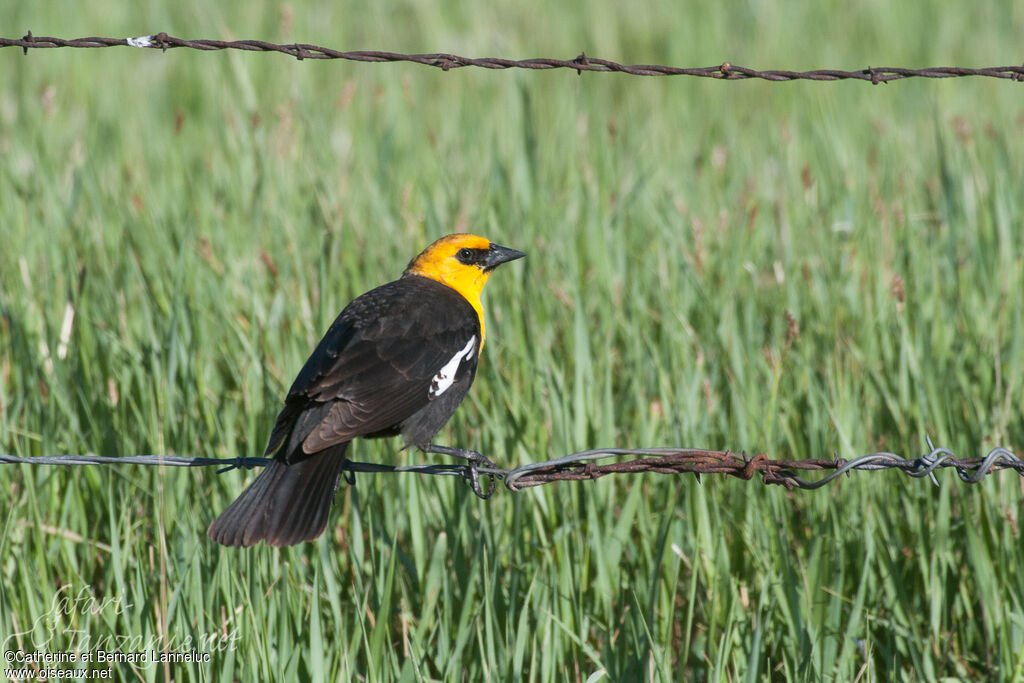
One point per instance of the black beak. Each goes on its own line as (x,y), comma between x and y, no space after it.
(497,254)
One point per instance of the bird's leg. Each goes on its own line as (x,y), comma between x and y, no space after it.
(473,457)
(476,461)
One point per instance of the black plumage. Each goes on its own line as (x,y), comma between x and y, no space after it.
(397,360)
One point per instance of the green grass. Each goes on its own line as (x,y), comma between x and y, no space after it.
(205,216)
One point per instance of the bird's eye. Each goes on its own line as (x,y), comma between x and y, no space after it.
(465,254)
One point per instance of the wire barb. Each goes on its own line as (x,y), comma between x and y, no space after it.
(725,71)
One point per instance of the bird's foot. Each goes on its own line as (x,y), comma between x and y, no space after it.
(348,474)
(475,462)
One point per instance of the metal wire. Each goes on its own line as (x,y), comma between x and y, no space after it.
(446,61)
(582,465)
(585,466)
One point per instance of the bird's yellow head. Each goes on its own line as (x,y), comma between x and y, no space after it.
(463,262)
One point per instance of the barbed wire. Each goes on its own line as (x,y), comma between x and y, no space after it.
(446,61)
(582,466)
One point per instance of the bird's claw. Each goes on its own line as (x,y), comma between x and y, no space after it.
(471,473)
(472,476)
(349,475)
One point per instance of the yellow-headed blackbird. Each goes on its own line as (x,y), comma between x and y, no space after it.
(398,360)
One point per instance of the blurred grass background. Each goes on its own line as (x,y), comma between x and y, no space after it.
(205,216)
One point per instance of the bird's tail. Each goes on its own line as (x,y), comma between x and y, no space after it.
(287,504)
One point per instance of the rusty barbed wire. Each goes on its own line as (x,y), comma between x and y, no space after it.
(446,61)
(582,466)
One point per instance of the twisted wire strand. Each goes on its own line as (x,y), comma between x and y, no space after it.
(585,465)
(582,465)
(446,61)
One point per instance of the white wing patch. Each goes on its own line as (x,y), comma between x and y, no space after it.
(445,377)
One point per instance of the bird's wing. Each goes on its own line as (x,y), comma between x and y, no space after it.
(388,354)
